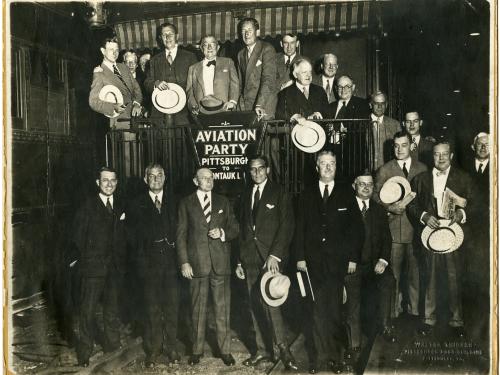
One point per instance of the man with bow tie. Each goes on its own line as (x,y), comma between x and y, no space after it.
(426,210)
(206,225)
(329,66)
(421,147)
(214,76)
(100,238)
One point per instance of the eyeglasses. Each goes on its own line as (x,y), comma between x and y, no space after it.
(258,169)
(416,121)
(346,87)
(365,184)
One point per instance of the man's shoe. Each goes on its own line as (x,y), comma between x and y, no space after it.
(174,357)
(425,330)
(336,367)
(194,359)
(388,334)
(287,358)
(458,332)
(255,360)
(228,359)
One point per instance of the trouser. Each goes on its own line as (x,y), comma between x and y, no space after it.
(219,286)
(405,264)
(92,289)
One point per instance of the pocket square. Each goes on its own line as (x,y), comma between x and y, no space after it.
(258,63)
(225,70)
(342,209)
(220,211)
(270,206)
(123,216)
(98,69)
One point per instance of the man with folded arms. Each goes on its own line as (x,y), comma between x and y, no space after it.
(213,76)
(426,210)
(206,225)
(403,261)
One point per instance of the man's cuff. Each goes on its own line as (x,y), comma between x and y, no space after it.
(386,263)
(136,102)
(464,220)
(233,101)
(275,257)
(222,235)
(422,216)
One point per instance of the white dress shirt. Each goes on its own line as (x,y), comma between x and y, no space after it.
(322,187)
(407,161)
(483,162)
(290,57)
(326,80)
(340,105)
(172,52)
(250,50)
(208,77)
(153,195)
(416,139)
(439,184)
(104,199)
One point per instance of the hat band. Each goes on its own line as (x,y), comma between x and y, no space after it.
(268,291)
(402,192)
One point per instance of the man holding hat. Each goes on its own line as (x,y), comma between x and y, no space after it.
(328,241)
(212,81)
(206,225)
(426,210)
(400,171)
(266,228)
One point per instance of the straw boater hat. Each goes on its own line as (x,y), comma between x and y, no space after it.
(445,239)
(171,100)
(211,104)
(394,190)
(111,94)
(274,288)
(308,137)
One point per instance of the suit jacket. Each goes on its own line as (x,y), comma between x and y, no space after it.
(226,83)
(458,181)
(292,100)
(327,250)
(357,108)
(159,70)
(100,237)
(401,228)
(423,152)
(284,74)
(258,78)
(273,228)
(318,80)
(140,77)
(383,140)
(128,87)
(193,244)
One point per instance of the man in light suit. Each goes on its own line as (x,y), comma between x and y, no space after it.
(206,225)
(421,147)
(383,129)
(266,228)
(329,66)
(284,60)
(257,72)
(170,65)
(112,73)
(213,75)
(426,210)
(403,260)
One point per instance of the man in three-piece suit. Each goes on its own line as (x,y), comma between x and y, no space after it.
(421,147)
(153,217)
(99,236)
(256,71)
(426,210)
(213,75)
(266,228)
(206,225)
(328,241)
(329,66)
(112,73)
(171,65)
(383,129)
(284,61)
(403,260)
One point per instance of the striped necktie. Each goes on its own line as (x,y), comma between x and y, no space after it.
(170,60)
(157,204)
(364,210)
(206,208)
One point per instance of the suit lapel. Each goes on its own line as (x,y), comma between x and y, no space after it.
(115,79)
(199,76)
(251,65)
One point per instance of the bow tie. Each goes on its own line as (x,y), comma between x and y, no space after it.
(211,62)
(440,173)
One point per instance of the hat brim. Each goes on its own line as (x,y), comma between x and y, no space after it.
(309,137)
(445,239)
(111,94)
(169,101)
(394,190)
(212,110)
(264,283)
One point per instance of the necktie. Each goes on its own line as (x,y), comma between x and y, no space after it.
(480,169)
(116,71)
(157,204)
(306,92)
(414,145)
(169,58)
(206,208)
(364,209)
(405,171)
(211,62)
(325,194)
(287,64)
(109,207)
(340,113)
(328,90)
(256,201)
(249,53)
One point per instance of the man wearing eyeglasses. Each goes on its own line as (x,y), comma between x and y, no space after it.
(349,106)
(421,147)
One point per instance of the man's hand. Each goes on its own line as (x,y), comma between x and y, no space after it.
(229,106)
(195,109)
(380,267)
(240,273)
(215,233)
(396,208)
(119,108)
(136,109)
(315,116)
(162,85)
(431,221)
(301,265)
(351,268)
(187,271)
(272,265)
(260,112)
(457,217)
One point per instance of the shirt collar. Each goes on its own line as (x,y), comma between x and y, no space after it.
(407,161)
(261,186)
(153,195)
(360,202)
(173,52)
(446,171)
(300,86)
(205,60)
(483,162)
(331,79)
(322,186)
(378,119)
(104,198)
(109,64)
(250,48)
(291,57)
(416,138)
(201,195)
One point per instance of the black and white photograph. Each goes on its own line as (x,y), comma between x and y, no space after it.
(255,188)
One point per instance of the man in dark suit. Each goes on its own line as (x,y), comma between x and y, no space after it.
(153,225)
(329,66)
(373,276)
(257,71)
(328,242)
(302,99)
(421,147)
(403,261)
(99,236)
(349,106)
(213,75)
(284,60)
(205,228)
(383,129)
(266,228)
(426,210)
(112,73)
(169,66)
